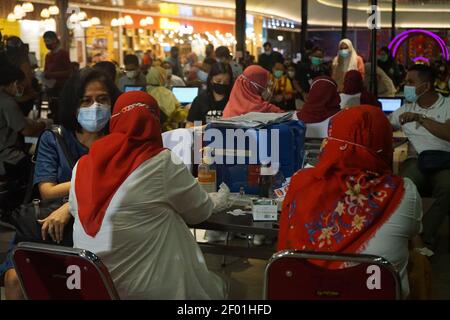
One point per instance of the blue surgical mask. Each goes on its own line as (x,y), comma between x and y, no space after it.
(316,61)
(410,93)
(344,53)
(95,117)
(278,74)
(202,75)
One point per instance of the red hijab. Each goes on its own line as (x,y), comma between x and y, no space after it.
(353,84)
(322,102)
(246,94)
(135,137)
(340,204)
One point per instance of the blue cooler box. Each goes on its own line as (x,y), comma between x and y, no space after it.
(238,165)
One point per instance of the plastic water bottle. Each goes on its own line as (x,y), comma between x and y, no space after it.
(34,113)
(207,176)
(265,181)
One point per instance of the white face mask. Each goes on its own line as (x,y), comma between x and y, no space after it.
(131,74)
(169,73)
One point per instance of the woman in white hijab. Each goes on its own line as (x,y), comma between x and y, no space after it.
(346,60)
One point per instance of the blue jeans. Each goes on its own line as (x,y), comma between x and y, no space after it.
(8,263)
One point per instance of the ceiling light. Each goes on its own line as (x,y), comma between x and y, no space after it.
(95,21)
(86,24)
(82,16)
(114,22)
(121,21)
(18,12)
(28,7)
(128,20)
(280,38)
(45,14)
(149,20)
(53,10)
(143,22)
(11,17)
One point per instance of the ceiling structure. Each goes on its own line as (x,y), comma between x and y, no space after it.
(410,13)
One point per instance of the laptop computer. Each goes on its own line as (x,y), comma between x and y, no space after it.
(133,88)
(390,104)
(185,95)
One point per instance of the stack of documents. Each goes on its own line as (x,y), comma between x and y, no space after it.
(253,120)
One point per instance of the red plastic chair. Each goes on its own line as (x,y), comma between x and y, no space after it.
(291,276)
(48,272)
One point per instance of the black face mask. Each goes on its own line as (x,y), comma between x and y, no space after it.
(221,89)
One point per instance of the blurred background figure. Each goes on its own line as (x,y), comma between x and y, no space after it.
(269,57)
(172,79)
(191,63)
(17,55)
(210,104)
(385,85)
(310,69)
(355,93)
(107,68)
(247,60)
(283,93)
(297,90)
(147,61)
(389,66)
(223,55)
(346,60)
(75,67)
(322,103)
(207,64)
(209,51)
(442,83)
(133,75)
(174,59)
(57,70)
(171,114)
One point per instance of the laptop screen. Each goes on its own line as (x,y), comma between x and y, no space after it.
(185,95)
(133,88)
(390,105)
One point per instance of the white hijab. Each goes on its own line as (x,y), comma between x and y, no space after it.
(342,65)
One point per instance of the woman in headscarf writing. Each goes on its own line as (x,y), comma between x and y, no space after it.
(131,200)
(351,202)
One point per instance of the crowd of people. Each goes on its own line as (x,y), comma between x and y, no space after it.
(131,205)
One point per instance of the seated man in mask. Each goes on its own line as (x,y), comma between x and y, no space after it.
(425,120)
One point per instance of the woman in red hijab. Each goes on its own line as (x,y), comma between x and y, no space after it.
(322,102)
(354,89)
(131,200)
(351,201)
(251,92)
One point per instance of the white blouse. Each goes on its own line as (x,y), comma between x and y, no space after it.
(391,239)
(144,240)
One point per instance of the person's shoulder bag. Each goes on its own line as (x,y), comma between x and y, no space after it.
(24,219)
(431,161)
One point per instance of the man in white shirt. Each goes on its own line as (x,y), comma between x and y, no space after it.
(425,120)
